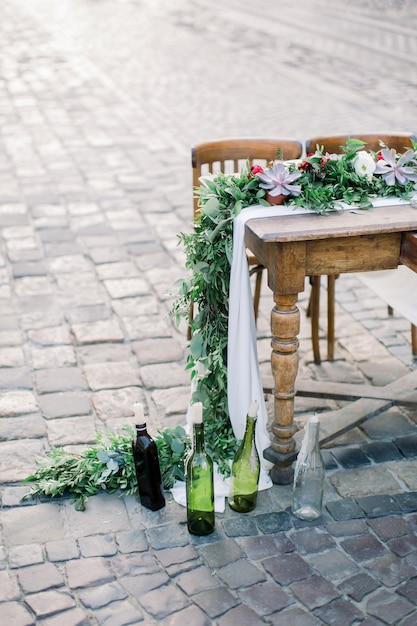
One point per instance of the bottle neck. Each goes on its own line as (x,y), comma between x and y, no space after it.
(313,437)
(250,429)
(198,437)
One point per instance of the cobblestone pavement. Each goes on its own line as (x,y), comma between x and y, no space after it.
(99,103)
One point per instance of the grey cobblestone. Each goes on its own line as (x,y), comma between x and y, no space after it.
(242,615)
(62,550)
(14,613)
(132,541)
(139,585)
(214,602)
(359,586)
(40,577)
(389,607)
(9,587)
(103,595)
(59,379)
(64,403)
(339,610)
(20,556)
(73,617)
(135,564)
(334,565)
(27,427)
(88,572)
(119,614)
(49,602)
(174,600)
(71,430)
(190,615)
(314,592)
(241,574)
(199,579)
(102,545)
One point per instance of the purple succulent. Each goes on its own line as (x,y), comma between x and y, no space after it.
(277,180)
(397,171)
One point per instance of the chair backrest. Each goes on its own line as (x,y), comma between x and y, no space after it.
(331,144)
(218,155)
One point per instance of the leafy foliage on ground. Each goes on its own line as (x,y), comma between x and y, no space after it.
(106,466)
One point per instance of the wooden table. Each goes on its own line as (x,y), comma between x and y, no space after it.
(292,247)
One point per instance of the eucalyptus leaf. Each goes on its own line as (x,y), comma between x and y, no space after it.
(211,208)
(177,446)
(196,345)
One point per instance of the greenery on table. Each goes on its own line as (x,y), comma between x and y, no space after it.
(106,466)
(354,177)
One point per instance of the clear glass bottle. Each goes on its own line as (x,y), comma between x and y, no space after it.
(245,468)
(199,479)
(148,471)
(309,474)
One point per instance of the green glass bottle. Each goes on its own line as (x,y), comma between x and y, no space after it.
(199,480)
(246,468)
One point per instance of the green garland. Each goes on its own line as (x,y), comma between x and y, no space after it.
(208,251)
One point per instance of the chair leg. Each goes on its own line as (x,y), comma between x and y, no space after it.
(191,315)
(315,312)
(414,340)
(258,269)
(308,310)
(331,284)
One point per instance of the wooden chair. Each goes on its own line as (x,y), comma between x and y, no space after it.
(332,144)
(229,155)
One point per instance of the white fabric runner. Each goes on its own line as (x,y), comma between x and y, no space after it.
(398,288)
(244,382)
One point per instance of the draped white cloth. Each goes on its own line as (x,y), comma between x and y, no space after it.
(398,288)
(244,382)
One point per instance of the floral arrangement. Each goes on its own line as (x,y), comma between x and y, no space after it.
(320,182)
(355,177)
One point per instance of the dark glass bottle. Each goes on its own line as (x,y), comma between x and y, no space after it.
(246,468)
(199,480)
(309,474)
(148,472)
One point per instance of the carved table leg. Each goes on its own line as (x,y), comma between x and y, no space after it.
(285,326)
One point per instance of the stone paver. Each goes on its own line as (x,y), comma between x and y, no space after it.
(88,258)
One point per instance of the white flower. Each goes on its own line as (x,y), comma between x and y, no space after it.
(364,164)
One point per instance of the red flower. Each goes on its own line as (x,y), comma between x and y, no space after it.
(255,169)
(379,156)
(304,166)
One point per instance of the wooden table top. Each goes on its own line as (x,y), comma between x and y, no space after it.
(348,223)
